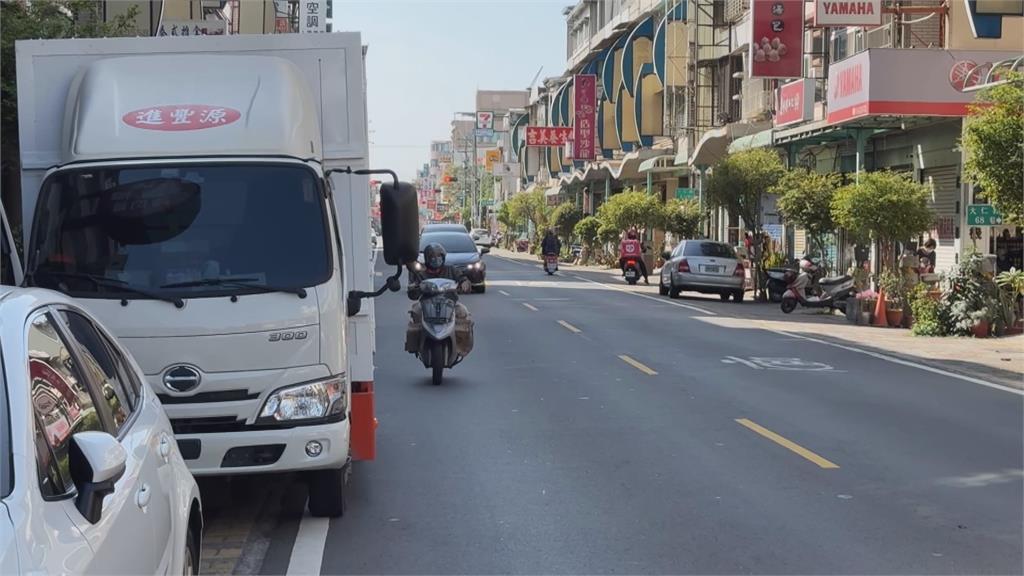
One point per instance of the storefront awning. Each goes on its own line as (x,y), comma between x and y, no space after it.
(760,139)
(714,144)
(659,164)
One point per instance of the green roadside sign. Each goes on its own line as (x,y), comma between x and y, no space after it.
(685,193)
(983,215)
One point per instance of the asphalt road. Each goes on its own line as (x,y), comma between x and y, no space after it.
(593,431)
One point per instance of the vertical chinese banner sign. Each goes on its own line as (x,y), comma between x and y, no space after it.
(777,39)
(585,97)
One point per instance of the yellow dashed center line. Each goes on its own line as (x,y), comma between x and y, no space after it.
(530,306)
(638,365)
(569,327)
(788,444)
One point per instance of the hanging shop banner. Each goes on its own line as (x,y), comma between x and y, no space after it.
(862,85)
(847,13)
(547,136)
(312,16)
(505,169)
(491,157)
(795,102)
(777,39)
(585,101)
(485,120)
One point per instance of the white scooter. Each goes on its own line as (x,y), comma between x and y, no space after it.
(835,291)
(438,347)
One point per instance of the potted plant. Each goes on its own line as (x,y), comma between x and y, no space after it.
(1011,285)
(969,299)
(893,285)
(982,322)
(925,310)
(865,306)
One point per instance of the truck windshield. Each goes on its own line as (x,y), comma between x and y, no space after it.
(157,231)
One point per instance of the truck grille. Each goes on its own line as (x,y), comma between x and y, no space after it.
(209,397)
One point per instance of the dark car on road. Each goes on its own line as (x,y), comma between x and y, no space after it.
(463,254)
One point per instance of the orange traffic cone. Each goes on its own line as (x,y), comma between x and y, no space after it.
(880,307)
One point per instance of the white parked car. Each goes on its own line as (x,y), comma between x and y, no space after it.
(91,479)
(481,237)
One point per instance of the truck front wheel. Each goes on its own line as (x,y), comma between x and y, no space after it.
(327,492)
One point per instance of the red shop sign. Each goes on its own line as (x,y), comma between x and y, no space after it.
(547,136)
(777,40)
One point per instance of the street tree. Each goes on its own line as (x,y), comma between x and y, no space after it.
(531,208)
(886,207)
(805,199)
(588,231)
(737,183)
(682,218)
(631,209)
(509,219)
(993,143)
(564,217)
(41,19)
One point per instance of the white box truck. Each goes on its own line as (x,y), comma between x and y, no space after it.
(208,199)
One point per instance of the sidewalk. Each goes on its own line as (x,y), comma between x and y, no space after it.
(999,360)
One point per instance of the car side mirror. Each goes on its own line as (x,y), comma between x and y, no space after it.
(97,461)
(485,249)
(666,255)
(399,222)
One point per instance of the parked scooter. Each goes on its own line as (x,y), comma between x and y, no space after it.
(551,263)
(834,292)
(631,271)
(777,282)
(441,345)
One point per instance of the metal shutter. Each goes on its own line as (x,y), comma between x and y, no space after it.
(945,192)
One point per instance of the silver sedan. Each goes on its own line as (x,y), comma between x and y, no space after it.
(703,266)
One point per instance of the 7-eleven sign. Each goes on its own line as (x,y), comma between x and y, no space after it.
(485,120)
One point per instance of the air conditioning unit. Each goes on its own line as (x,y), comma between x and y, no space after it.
(735,9)
(756,100)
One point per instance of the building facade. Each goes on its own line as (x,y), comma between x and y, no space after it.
(677,93)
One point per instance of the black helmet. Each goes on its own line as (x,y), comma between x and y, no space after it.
(433,256)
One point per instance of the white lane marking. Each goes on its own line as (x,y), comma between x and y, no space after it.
(308,550)
(903,362)
(503,293)
(513,260)
(744,362)
(662,300)
(530,306)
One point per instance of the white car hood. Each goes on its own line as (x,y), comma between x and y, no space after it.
(215,334)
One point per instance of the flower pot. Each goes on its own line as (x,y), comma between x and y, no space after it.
(865,318)
(981,329)
(895,317)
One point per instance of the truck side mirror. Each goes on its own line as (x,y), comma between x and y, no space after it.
(399,222)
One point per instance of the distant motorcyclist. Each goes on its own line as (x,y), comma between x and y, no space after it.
(551,244)
(433,267)
(631,248)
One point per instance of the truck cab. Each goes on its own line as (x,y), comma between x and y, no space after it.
(190,203)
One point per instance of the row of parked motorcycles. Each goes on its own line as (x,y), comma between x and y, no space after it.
(806,286)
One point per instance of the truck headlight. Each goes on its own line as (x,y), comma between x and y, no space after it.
(312,400)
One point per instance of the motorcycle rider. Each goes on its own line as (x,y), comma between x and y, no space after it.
(434,266)
(631,248)
(550,244)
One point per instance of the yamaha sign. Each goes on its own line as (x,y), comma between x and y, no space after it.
(847,13)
